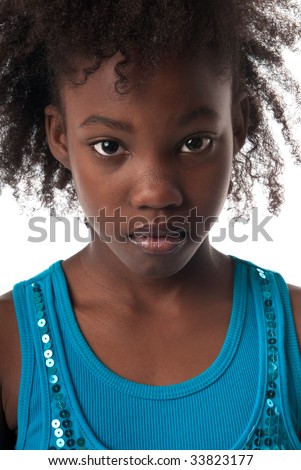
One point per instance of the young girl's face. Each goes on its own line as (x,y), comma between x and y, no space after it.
(160,154)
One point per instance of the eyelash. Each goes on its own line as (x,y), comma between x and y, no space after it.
(210,139)
(106,157)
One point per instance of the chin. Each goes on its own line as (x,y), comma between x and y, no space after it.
(160,268)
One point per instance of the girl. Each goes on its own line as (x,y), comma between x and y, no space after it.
(150,114)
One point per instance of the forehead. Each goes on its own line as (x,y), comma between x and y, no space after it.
(175,85)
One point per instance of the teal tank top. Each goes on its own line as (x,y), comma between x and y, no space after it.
(249,398)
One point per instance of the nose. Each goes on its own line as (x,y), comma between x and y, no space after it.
(157,189)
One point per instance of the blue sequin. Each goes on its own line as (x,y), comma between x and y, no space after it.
(60,443)
(53,379)
(61,405)
(44,329)
(56,423)
(270,433)
(70,442)
(49,363)
(58,432)
(60,427)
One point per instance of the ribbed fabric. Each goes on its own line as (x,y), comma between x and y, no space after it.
(214,410)
(157,415)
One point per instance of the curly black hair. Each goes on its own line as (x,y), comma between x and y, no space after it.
(42,40)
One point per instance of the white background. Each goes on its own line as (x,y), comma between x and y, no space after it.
(20,259)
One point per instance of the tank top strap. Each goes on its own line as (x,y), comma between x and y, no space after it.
(45,382)
(274,429)
(65,431)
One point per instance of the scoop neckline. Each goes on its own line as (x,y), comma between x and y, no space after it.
(153,392)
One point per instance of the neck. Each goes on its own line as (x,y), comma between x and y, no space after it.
(200,275)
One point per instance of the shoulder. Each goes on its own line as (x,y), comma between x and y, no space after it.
(9,337)
(7,331)
(8,324)
(7,315)
(10,369)
(295,295)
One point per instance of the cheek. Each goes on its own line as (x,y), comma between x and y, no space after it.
(101,199)
(224,169)
(92,187)
(210,184)
(86,187)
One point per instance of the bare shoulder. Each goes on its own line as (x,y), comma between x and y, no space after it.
(8,322)
(295,295)
(9,337)
(8,325)
(10,369)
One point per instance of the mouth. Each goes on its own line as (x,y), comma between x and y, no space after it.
(158,239)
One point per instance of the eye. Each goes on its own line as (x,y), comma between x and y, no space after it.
(108,148)
(196,144)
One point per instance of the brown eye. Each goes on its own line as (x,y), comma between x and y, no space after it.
(108,148)
(196,144)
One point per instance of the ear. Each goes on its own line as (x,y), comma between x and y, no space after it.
(240,121)
(56,134)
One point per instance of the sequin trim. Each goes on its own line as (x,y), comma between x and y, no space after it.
(63,433)
(270,433)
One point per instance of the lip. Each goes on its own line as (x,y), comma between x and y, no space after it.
(158,239)
(157,230)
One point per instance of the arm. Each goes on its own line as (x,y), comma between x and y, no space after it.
(295,295)
(10,367)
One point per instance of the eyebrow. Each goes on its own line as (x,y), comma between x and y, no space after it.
(95,119)
(112,123)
